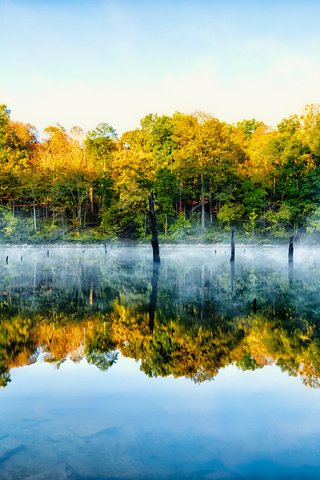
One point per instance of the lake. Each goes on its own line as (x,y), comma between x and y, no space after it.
(112,368)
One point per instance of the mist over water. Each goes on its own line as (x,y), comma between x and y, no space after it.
(194,287)
(198,368)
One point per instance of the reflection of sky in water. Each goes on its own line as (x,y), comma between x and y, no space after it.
(80,423)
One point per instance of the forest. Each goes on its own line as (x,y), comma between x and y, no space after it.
(208,177)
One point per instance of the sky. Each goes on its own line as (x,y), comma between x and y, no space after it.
(83,62)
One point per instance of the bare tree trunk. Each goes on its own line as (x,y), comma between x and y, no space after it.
(290,251)
(232,246)
(210,203)
(153,221)
(203,213)
(34,216)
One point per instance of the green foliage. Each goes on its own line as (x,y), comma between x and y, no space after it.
(100,349)
(248,363)
(180,229)
(166,190)
(230,213)
(15,228)
(99,144)
(280,220)
(313,222)
(263,180)
(250,227)
(254,198)
(248,127)
(124,222)
(105,188)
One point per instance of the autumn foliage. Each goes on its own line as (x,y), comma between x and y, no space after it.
(207,176)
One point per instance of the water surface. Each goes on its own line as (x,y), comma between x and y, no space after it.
(114,369)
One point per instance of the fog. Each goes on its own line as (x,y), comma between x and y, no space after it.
(57,278)
(191,267)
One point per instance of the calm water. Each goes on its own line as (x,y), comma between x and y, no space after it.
(113,369)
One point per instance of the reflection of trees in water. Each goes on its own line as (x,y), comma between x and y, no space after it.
(189,321)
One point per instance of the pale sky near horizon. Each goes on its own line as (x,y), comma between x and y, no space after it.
(83,62)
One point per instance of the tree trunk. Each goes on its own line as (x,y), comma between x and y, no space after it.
(34,216)
(290,251)
(153,221)
(232,247)
(203,213)
(210,203)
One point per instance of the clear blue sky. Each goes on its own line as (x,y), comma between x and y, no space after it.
(87,61)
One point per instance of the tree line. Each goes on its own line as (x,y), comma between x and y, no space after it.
(208,176)
(175,346)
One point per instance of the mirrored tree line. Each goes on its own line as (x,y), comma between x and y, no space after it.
(176,321)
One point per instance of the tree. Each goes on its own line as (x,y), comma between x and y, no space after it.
(206,157)
(18,142)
